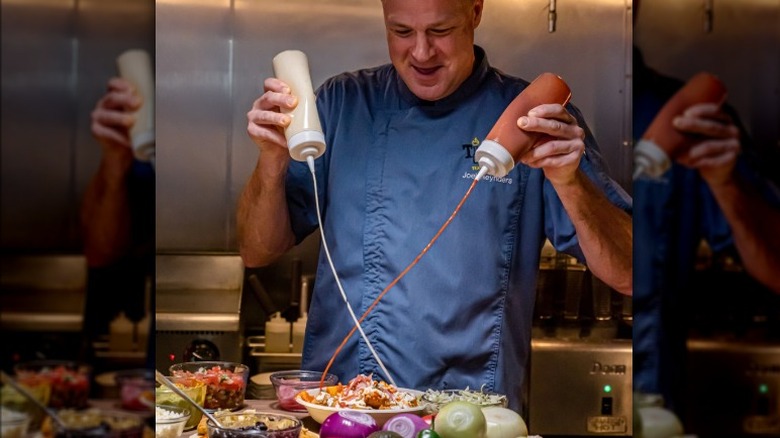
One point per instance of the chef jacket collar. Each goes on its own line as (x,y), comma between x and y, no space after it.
(467,88)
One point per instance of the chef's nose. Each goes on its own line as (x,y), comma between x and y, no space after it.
(423,49)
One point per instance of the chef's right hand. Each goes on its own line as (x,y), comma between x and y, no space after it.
(715,156)
(112,118)
(266,122)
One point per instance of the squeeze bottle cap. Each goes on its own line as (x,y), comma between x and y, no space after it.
(306,143)
(650,159)
(144,145)
(495,157)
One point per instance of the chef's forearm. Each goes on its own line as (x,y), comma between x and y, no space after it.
(263,220)
(603,230)
(105,213)
(754,227)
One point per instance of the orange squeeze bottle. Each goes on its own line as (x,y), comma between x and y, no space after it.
(506,142)
(662,142)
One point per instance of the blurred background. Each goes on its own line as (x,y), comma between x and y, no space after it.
(57,58)
(714,330)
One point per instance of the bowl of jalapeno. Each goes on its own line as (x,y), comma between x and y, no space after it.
(225,382)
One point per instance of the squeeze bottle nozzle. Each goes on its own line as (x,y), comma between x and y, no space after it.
(662,142)
(304,134)
(506,142)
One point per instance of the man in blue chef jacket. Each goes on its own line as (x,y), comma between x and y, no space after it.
(394,170)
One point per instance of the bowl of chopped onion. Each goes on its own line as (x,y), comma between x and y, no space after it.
(433,400)
(378,399)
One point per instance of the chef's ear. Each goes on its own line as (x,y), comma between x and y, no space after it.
(477,10)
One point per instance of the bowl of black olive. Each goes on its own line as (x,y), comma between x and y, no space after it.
(250,424)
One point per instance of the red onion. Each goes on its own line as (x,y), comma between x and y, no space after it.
(406,425)
(348,424)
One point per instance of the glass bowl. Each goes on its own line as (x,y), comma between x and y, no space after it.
(225,382)
(13,424)
(169,421)
(255,424)
(68,381)
(164,396)
(136,389)
(433,400)
(288,384)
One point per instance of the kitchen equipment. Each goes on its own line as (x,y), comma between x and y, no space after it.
(580,387)
(732,388)
(198,303)
(278,357)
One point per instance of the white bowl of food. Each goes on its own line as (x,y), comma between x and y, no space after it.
(380,400)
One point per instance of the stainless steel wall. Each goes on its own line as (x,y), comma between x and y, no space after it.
(739,40)
(212,56)
(57,56)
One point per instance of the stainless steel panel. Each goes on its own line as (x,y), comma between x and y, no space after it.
(43,293)
(199,292)
(568,386)
(38,90)
(199,272)
(193,119)
(184,322)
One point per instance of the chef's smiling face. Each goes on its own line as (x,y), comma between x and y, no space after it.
(431,43)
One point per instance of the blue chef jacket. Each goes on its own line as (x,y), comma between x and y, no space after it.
(394,170)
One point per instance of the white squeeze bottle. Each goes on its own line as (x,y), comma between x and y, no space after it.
(304,135)
(277,334)
(298,333)
(136,66)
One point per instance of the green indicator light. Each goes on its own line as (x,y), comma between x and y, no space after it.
(763,388)
(607,388)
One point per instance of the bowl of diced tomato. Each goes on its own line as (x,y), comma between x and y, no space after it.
(67,381)
(225,382)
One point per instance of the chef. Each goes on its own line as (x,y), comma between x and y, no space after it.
(400,140)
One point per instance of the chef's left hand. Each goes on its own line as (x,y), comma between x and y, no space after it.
(716,155)
(559,157)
